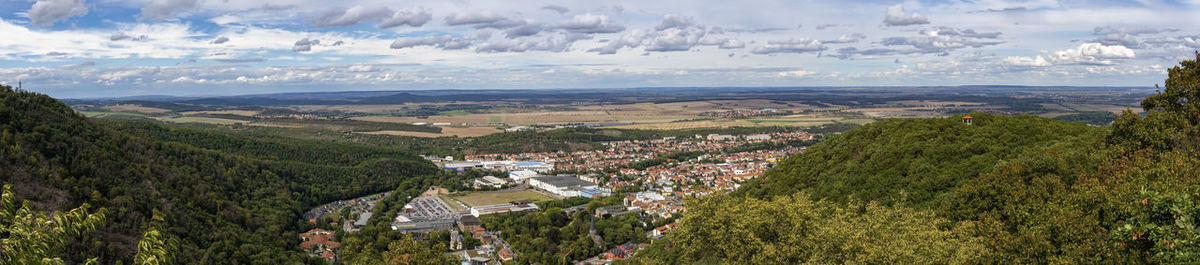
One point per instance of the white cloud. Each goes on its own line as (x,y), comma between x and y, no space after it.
(341,17)
(412,18)
(940,44)
(361,68)
(791,46)
(444,42)
(848,38)
(634,42)
(675,39)
(550,44)
(1092,53)
(46,12)
(796,73)
(557,8)
(674,21)
(724,43)
(484,19)
(1038,61)
(895,16)
(631,39)
(529,28)
(119,36)
(305,45)
(164,9)
(590,24)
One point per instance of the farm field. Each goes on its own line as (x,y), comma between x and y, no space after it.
(207,120)
(446,131)
(597,113)
(453,203)
(475,115)
(800,120)
(110,115)
(378,109)
(135,108)
(247,113)
(520,118)
(497,197)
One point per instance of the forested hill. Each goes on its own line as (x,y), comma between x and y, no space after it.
(913,159)
(1019,190)
(223,204)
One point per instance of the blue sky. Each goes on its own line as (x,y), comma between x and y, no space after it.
(101,48)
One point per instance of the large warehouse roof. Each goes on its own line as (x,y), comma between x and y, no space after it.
(563,181)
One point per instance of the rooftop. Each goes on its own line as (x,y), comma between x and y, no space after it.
(563,181)
(470,220)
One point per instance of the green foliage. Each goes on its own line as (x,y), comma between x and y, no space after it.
(404,251)
(1172,117)
(768,146)
(1024,190)
(225,198)
(552,235)
(268,148)
(797,230)
(920,158)
(154,248)
(33,237)
(663,159)
(1163,226)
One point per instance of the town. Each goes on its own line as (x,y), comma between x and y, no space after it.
(652,178)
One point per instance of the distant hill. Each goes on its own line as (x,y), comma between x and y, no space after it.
(227,199)
(817,96)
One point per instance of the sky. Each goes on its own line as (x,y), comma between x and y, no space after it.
(110,48)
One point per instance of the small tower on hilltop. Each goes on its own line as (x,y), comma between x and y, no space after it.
(967,119)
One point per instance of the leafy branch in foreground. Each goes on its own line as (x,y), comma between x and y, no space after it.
(32,237)
(154,247)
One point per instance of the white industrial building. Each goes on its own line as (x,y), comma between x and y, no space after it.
(509,165)
(521,175)
(490,181)
(566,186)
(504,208)
(462,166)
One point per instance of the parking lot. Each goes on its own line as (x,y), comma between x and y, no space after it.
(430,208)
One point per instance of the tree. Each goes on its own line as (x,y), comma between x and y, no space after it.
(153,248)
(404,251)
(1172,114)
(33,237)
(796,230)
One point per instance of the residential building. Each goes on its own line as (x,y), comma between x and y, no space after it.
(468,223)
(720,137)
(758,137)
(319,242)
